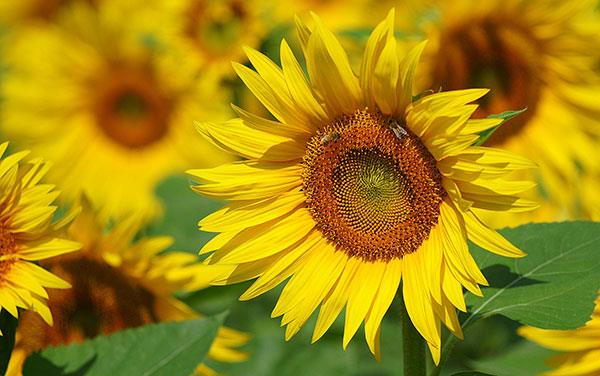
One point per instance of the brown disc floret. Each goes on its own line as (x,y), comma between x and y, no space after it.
(371,185)
(102,300)
(130,107)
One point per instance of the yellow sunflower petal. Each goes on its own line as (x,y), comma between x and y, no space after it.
(234,136)
(488,238)
(330,72)
(363,288)
(299,86)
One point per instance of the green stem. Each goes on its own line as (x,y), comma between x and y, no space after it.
(447,348)
(449,345)
(413,346)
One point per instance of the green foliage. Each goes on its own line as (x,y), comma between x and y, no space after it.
(272,356)
(521,359)
(183,208)
(174,348)
(554,287)
(505,116)
(8,326)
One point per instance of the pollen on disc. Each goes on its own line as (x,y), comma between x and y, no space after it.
(371,186)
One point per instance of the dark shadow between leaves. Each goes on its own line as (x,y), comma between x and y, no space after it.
(38,365)
(500,276)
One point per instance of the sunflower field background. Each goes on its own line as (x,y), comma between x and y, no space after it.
(118,149)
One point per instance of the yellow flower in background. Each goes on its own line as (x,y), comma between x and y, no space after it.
(27,235)
(213,31)
(336,14)
(117,283)
(111,106)
(535,54)
(354,187)
(581,347)
(15,12)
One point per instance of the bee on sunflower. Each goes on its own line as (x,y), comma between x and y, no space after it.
(355,186)
(27,235)
(539,55)
(117,283)
(115,97)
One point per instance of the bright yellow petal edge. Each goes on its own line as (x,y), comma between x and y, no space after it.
(278,225)
(28,234)
(118,281)
(580,347)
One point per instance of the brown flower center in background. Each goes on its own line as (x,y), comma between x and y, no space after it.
(48,9)
(371,186)
(495,54)
(131,108)
(216,27)
(8,250)
(102,300)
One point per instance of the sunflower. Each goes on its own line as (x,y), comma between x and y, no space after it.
(111,106)
(581,347)
(540,55)
(27,234)
(117,283)
(213,31)
(354,187)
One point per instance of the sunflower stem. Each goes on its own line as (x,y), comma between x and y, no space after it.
(413,346)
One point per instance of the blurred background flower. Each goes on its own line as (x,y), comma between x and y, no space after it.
(110,105)
(117,283)
(540,55)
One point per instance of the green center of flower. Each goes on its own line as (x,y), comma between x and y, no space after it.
(496,54)
(131,108)
(371,192)
(371,186)
(102,300)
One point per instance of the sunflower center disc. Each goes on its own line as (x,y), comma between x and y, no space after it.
(102,300)
(8,249)
(495,54)
(131,109)
(371,186)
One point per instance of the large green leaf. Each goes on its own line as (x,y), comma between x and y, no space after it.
(174,348)
(522,359)
(554,287)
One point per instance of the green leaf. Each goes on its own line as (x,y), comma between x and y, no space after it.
(174,348)
(554,287)
(472,373)
(522,359)
(183,208)
(8,327)
(505,116)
